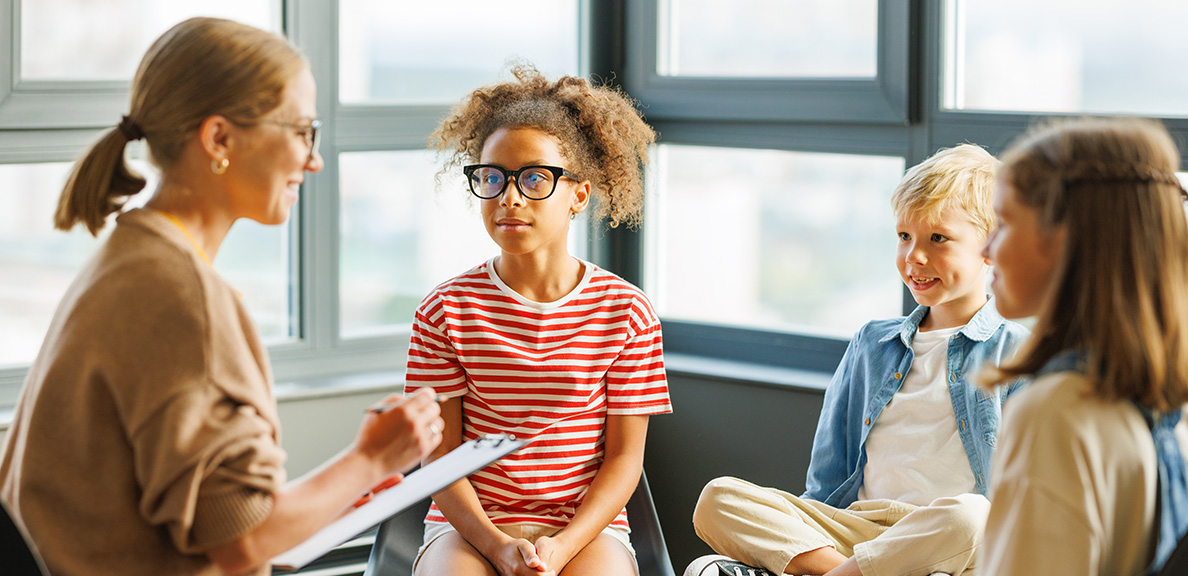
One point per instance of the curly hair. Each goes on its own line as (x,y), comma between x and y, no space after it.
(599,129)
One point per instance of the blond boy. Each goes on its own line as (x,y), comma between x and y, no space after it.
(901,458)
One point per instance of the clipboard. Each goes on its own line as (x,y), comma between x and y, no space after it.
(459,463)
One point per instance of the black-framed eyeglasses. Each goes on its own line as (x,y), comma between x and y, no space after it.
(309,132)
(488,181)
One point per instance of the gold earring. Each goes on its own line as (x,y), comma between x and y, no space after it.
(219,166)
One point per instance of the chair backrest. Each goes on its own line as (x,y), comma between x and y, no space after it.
(20,557)
(400,537)
(397,542)
(1177,563)
(651,553)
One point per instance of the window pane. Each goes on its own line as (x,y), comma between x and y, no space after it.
(401,237)
(88,40)
(772,239)
(37,262)
(762,38)
(1067,56)
(437,52)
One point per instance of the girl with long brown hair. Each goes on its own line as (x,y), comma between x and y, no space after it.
(1092,241)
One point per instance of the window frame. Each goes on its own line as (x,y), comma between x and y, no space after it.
(46,121)
(714,113)
(899,113)
(884,99)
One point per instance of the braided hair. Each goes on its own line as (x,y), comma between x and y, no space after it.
(1119,292)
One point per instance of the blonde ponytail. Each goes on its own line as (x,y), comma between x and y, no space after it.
(99,184)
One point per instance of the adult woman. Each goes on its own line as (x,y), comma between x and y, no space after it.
(145,439)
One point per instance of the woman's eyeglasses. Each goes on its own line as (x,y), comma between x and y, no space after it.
(488,181)
(309,132)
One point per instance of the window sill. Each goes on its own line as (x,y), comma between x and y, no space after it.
(749,372)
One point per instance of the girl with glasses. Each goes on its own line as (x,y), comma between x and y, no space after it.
(146,437)
(537,343)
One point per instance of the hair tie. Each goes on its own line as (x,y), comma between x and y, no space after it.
(130,130)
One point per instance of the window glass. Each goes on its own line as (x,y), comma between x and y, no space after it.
(1066,56)
(401,236)
(437,52)
(88,40)
(761,38)
(38,263)
(772,239)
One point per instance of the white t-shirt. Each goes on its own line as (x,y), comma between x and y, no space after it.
(914,453)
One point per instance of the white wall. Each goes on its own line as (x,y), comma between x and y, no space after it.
(314,429)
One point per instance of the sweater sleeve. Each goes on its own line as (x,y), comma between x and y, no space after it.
(208,467)
(195,404)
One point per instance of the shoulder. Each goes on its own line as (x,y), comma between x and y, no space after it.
(876,331)
(1013,332)
(608,285)
(143,262)
(1062,408)
(473,282)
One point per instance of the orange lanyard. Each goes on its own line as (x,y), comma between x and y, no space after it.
(190,237)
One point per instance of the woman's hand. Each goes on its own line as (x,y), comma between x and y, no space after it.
(407,429)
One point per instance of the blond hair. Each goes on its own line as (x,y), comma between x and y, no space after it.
(1119,292)
(599,129)
(961,177)
(199,68)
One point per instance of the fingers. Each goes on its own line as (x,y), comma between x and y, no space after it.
(401,430)
(528,551)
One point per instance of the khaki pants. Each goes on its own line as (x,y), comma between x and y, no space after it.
(768,527)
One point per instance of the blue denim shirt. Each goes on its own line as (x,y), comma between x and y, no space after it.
(871,372)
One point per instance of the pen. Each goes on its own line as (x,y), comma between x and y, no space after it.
(381,408)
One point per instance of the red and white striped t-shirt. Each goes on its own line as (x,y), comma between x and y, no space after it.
(546,371)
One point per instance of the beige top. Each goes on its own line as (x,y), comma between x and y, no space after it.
(146,430)
(1074,484)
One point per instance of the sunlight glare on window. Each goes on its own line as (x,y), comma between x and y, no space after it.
(437,52)
(38,263)
(88,40)
(766,39)
(1066,56)
(772,239)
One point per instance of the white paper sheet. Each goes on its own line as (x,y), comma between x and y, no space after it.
(429,479)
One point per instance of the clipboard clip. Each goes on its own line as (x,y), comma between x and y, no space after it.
(493,440)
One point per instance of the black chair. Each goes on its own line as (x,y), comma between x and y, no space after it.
(20,557)
(400,537)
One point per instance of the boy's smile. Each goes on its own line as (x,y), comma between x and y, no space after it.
(940,260)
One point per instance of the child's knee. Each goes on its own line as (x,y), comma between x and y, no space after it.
(716,495)
(965,515)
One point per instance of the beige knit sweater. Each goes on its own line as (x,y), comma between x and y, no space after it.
(146,430)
